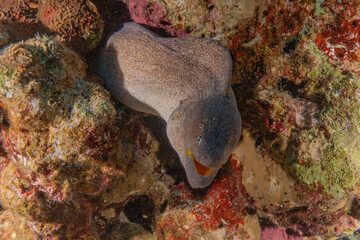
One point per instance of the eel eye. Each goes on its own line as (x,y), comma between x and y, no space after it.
(199,139)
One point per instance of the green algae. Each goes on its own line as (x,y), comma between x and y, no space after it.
(335,172)
(339,114)
(305,30)
(250,43)
(6,73)
(319,9)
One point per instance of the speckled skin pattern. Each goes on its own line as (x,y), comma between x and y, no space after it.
(186,81)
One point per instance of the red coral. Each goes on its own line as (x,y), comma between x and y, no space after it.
(223,205)
(281,22)
(341,40)
(224,202)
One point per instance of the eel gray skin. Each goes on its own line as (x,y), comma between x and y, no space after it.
(186,81)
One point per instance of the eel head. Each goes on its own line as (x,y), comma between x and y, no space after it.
(204,134)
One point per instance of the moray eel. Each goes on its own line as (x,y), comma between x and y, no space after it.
(186,81)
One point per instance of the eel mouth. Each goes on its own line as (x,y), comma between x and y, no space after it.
(199,168)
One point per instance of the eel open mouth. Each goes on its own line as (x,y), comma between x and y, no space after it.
(199,168)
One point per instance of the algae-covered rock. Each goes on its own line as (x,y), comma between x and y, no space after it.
(71,162)
(216,19)
(302,108)
(55,120)
(18,21)
(211,19)
(311,122)
(76,23)
(61,135)
(54,126)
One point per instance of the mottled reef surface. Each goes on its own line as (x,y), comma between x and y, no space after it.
(75,164)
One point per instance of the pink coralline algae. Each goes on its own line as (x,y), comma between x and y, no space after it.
(278,234)
(154,15)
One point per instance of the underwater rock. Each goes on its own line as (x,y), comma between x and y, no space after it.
(310,123)
(54,126)
(280,198)
(52,117)
(122,231)
(61,136)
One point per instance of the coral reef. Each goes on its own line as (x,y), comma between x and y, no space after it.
(18,21)
(75,166)
(299,100)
